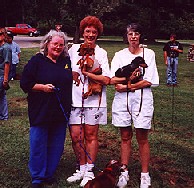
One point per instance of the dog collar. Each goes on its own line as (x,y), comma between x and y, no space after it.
(109,169)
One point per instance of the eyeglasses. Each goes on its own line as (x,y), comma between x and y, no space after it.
(134,34)
(57,45)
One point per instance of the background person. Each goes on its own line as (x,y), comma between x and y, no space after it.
(171,53)
(190,53)
(58,27)
(86,114)
(44,72)
(15,56)
(5,61)
(140,103)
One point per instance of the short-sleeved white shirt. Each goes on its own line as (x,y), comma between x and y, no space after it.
(122,58)
(100,59)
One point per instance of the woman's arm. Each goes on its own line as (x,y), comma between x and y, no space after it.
(43,87)
(104,80)
(132,87)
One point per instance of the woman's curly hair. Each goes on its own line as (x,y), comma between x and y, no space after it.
(91,21)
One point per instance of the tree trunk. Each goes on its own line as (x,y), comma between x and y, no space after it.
(76,39)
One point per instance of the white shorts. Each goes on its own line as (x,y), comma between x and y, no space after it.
(90,115)
(122,118)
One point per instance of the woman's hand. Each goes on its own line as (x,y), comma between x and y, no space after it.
(166,62)
(48,88)
(5,85)
(136,74)
(120,87)
(123,87)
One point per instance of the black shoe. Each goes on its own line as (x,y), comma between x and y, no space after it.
(51,183)
(37,185)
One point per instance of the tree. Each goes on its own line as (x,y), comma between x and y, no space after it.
(76,10)
(158,17)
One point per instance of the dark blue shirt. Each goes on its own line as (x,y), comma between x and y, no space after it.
(45,107)
(169,45)
(5,57)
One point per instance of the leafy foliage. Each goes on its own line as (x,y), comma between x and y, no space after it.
(159,17)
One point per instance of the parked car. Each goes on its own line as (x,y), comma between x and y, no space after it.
(23,29)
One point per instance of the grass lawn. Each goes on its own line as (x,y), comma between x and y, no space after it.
(171,137)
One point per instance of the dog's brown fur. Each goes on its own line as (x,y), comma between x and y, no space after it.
(87,63)
(94,87)
(76,78)
(85,51)
(108,178)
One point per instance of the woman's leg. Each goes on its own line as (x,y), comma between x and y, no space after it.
(78,145)
(126,137)
(91,139)
(77,137)
(38,153)
(144,148)
(56,140)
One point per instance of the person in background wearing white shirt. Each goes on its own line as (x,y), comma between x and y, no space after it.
(133,102)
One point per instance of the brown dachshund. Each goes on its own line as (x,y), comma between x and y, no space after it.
(94,87)
(87,63)
(108,178)
(85,51)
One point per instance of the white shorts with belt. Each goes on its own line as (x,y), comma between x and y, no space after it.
(139,115)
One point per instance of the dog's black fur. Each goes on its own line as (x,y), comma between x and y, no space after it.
(127,70)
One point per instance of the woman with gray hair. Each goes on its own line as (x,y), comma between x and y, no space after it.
(133,105)
(47,79)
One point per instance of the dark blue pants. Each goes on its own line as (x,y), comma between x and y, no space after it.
(46,148)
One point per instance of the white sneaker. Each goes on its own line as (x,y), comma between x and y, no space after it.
(87,176)
(77,176)
(145,181)
(123,179)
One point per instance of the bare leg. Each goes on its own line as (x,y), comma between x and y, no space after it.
(77,136)
(126,137)
(144,148)
(91,141)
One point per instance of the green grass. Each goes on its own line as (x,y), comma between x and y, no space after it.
(171,138)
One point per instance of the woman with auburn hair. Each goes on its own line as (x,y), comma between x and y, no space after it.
(87,111)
